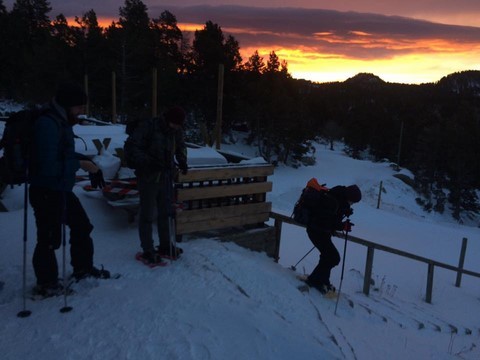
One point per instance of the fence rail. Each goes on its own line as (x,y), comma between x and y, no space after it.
(371,247)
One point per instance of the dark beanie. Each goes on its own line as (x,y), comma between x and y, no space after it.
(353,193)
(175,115)
(69,95)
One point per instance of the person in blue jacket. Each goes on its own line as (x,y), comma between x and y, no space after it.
(52,177)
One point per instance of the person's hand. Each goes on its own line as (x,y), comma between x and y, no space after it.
(183,168)
(349,212)
(347,226)
(97,180)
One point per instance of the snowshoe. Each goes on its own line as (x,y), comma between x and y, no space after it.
(327,290)
(150,259)
(43,291)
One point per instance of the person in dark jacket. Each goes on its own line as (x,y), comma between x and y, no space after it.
(153,147)
(52,177)
(329,212)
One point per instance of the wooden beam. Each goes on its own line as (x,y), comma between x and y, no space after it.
(428,296)
(185,217)
(368,270)
(220,223)
(212,192)
(461,262)
(221,173)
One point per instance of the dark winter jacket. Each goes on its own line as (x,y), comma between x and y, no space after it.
(54,161)
(327,210)
(151,148)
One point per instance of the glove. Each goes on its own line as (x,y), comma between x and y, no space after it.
(347,226)
(97,180)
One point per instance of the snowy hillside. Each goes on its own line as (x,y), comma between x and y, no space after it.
(220,301)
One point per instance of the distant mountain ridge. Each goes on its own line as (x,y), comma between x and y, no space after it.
(463,82)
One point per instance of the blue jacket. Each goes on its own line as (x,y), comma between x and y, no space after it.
(54,161)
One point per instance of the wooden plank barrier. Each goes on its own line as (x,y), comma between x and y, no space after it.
(221,197)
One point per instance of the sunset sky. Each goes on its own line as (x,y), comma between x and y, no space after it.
(400,41)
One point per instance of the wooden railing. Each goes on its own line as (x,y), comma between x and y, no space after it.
(371,247)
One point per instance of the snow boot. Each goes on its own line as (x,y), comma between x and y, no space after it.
(164,252)
(93,272)
(42,291)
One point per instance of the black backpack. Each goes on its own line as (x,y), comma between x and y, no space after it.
(16,143)
(128,148)
(303,207)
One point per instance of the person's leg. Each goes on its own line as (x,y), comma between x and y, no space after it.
(148,209)
(329,258)
(81,244)
(165,205)
(47,208)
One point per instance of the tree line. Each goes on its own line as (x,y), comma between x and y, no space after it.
(432,129)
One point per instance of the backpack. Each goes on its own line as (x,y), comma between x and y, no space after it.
(16,143)
(302,211)
(128,148)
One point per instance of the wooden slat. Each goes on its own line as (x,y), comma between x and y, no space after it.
(206,174)
(221,223)
(211,192)
(199,215)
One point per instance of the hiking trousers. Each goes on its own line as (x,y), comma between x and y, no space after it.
(51,208)
(329,257)
(153,207)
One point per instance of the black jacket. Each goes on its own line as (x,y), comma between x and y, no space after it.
(153,145)
(327,209)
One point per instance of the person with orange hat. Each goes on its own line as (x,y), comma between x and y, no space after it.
(328,211)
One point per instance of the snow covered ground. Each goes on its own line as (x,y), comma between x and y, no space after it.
(220,301)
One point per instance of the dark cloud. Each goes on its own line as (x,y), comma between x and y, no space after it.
(71,8)
(350,34)
(358,35)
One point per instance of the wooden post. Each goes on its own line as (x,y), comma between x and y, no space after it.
(380,194)
(218,124)
(278,236)
(368,271)
(85,86)
(154,92)
(399,147)
(461,262)
(114,98)
(428,296)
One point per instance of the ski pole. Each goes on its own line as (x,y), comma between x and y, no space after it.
(65,307)
(343,266)
(171,224)
(294,267)
(25,313)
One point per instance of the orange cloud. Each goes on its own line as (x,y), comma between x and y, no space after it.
(396,49)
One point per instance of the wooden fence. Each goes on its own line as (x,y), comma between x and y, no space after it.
(371,247)
(222,197)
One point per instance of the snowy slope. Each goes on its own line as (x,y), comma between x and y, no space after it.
(220,301)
